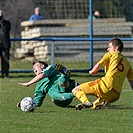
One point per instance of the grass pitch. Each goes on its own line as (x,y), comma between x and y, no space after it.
(117,118)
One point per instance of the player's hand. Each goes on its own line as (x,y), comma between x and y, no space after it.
(24,84)
(90,72)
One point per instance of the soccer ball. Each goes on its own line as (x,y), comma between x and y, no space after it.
(28,104)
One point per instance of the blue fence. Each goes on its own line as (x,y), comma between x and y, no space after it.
(65,39)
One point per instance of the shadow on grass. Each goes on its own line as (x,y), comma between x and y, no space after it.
(118,107)
(70,106)
(109,107)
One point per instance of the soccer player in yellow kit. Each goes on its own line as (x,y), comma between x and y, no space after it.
(108,88)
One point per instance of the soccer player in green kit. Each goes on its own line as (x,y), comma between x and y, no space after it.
(54,81)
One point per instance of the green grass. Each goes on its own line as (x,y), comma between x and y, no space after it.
(117,118)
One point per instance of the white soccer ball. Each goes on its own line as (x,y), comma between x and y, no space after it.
(28,104)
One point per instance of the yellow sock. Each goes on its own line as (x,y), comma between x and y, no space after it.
(81,96)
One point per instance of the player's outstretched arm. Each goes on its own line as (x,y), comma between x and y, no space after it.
(95,69)
(34,80)
(24,84)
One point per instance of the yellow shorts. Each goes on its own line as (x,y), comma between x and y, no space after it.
(100,90)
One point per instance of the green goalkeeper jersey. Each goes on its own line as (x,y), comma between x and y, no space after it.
(49,84)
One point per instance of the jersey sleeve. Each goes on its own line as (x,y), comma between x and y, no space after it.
(39,97)
(104,62)
(104,59)
(39,94)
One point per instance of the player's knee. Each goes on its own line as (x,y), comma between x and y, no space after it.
(75,89)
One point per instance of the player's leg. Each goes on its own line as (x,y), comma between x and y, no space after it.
(62,69)
(108,97)
(63,81)
(80,92)
(61,96)
(105,96)
(99,103)
(5,63)
(61,99)
(39,95)
(88,88)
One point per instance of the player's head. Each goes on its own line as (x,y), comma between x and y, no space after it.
(38,66)
(97,14)
(115,45)
(37,11)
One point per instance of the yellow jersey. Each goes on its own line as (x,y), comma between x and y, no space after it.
(117,68)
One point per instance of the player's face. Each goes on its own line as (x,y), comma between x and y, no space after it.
(37,12)
(37,68)
(112,48)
